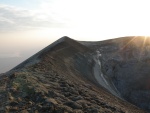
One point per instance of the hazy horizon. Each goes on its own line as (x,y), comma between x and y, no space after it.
(27,26)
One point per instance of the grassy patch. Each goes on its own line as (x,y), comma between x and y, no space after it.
(28,84)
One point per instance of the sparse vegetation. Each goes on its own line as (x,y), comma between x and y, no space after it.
(56,85)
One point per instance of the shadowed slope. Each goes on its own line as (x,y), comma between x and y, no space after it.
(125,61)
(58,45)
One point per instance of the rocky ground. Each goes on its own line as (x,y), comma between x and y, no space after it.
(48,92)
(125,62)
(54,85)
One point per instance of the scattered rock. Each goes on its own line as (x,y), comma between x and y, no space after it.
(77,98)
(13,109)
(13,103)
(7,107)
(78,111)
(19,99)
(24,111)
(13,90)
(93,110)
(13,75)
(51,101)
(30,103)
(73,105)
(64,109)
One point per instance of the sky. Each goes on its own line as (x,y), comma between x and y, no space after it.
(27,26)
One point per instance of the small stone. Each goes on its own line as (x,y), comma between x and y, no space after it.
(67,94)
(93,110)
(31,103)
(83,103)
(65,109)
(29,109)
(19,99)
(39,106)
(14,90)
(45,108)
(65,89)
(51,100)
(7,107)
(77,98)
(13,103)
(73,105)
(11,98)
(24,111)
(13,75)
(36,111)
(78,111)
(14,109)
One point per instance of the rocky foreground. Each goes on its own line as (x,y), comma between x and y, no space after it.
(33,91)
(50,82)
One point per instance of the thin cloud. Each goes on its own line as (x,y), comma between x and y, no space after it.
(12,18)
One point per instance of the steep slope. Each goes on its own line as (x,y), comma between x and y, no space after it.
(66,76)
(125,61)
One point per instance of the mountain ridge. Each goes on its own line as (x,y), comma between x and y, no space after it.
(66,76)
(49,47)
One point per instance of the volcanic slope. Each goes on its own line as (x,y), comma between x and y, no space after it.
(66,76)
(125,62)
